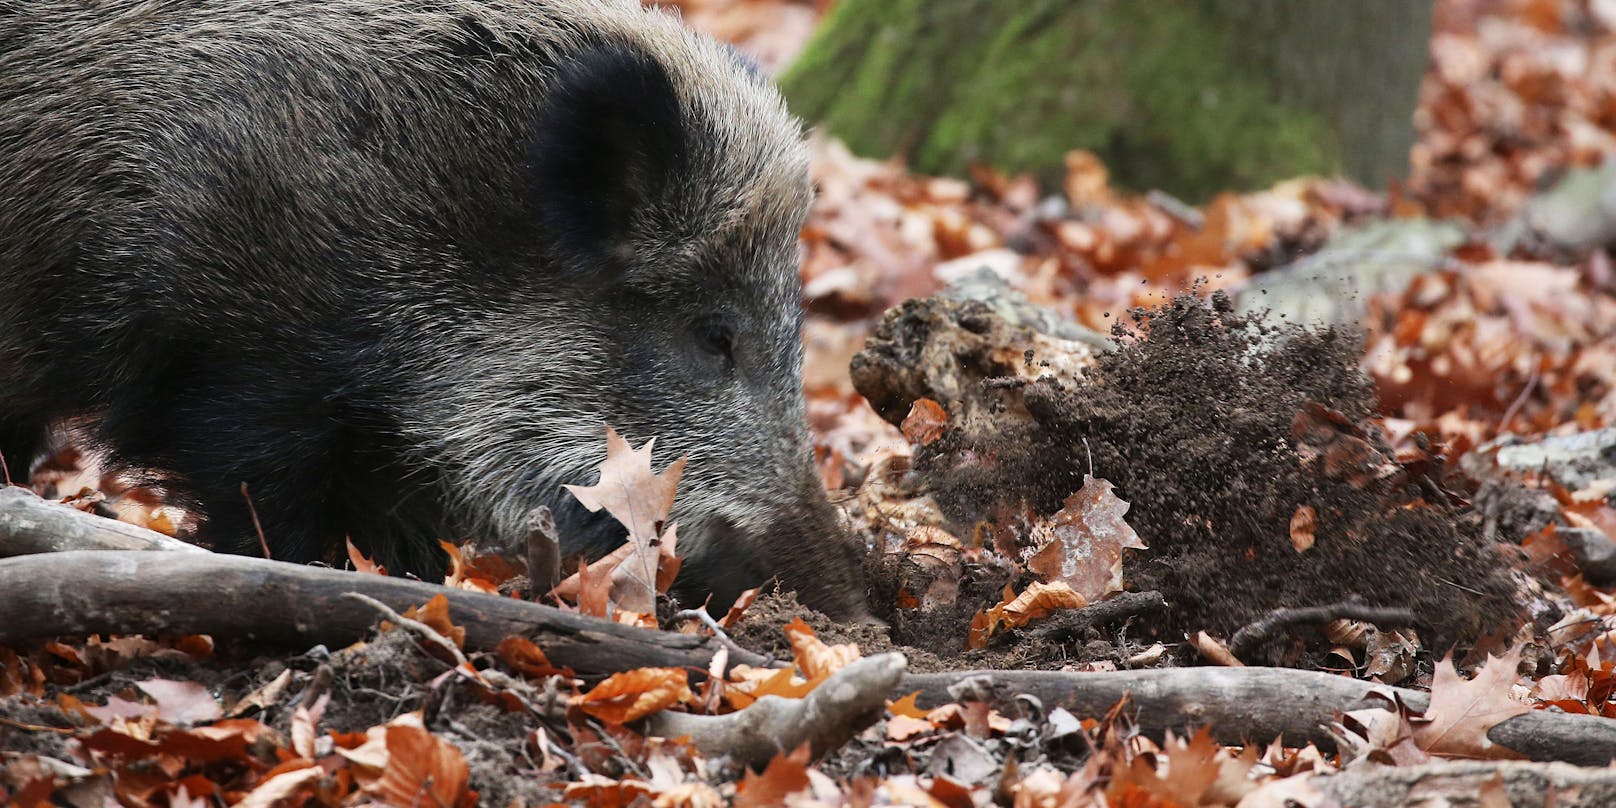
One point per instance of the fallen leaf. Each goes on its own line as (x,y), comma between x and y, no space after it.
(181,702)
(635,694)
(786,774)
(521,654)
(421,769)
(641,501)
(435,613)
(1461,711)
(1303,523)
(925,423)
(1082,543)
(816,659)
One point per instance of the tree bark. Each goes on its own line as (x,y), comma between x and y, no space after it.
(1192,96)
(29,524)
(228,597)
(1460,783)
(1257,705)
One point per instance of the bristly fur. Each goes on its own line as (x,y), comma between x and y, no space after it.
(394,265)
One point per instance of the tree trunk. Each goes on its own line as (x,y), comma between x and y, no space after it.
(1191,96)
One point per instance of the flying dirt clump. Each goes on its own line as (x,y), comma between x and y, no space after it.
(1234,441)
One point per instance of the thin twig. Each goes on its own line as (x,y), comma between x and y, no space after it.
(253,512)
(420,628)
(712,624)
(1259,633)
(1509,414)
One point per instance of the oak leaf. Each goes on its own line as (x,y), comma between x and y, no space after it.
(1084,540)
(641,500)
(1461,711)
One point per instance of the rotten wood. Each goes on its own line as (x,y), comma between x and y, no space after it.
(124,592)
(1257,705)
(30,524)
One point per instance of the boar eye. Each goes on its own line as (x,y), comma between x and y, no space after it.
(717,339)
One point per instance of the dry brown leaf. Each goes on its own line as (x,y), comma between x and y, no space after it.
(748,684)
(421,769)
(461,575)
(521,654)
(1461,711)
(816,659)
(635,694)
(639,499)
(1084,540)
(925,423)
(784,776)
(361,563)
(181,702)
(282,788)
(435,614)
(907,706)
(1038,601)
(738,610)
(1303,522)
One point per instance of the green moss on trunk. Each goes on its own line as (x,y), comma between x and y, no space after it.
(1188,95)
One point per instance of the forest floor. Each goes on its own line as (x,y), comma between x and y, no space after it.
(1362,434)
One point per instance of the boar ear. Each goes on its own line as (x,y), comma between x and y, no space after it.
(608,145)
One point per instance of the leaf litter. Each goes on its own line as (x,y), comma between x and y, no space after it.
(1237,467)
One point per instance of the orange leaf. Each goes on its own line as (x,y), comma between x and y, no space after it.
(460,574)
(1084,540)
(361,563)
(785,775)
(635,694)
(816,659)
(521,654)
(1040,600)
(907,706)
(737,611)
(435,613)
(981,629)
(925,423)
(421,769)
(1303,523)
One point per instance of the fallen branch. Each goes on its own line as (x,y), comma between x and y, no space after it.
(1265,630)
(29,524)
(1257,705)
(226,596)
(1073,624)
(1461,782)
(829,716)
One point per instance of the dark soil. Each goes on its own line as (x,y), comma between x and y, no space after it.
(369,684)
(1217,429)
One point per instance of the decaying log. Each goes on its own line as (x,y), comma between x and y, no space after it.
(29,524)
(1257,705)
(829,716)
(125,592)
(1461,782)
